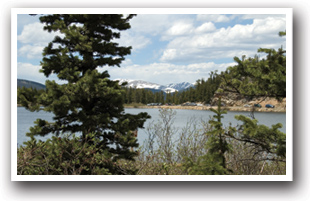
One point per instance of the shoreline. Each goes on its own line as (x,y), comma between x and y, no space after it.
(228,108)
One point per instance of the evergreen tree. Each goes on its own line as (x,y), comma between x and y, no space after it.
(261,138)
(254,77)
(217,144)
(214,162)
(89,102)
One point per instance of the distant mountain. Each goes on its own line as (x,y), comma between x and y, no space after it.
(170,88)
(29,84)
(180,86)
(140,84)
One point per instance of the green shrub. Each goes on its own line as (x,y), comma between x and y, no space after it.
(66,156)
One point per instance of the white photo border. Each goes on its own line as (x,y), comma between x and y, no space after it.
(289,90)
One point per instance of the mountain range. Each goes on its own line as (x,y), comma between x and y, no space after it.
(139,84)
(169,88)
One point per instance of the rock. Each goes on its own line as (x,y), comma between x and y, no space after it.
(237,100)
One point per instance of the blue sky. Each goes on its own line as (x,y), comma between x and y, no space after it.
(166,48)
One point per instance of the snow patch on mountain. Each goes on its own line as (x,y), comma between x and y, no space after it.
(139,84)
(180,86)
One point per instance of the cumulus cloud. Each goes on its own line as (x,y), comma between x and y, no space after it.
(180,28)
(127,62)
(33,39)
(196,39)
(164,26)
(155,24)
(34,33)
(31,51)
(27,67)
(225,42)
(268,25)
(169,54)
(30,72)
(206,27)
(136,41)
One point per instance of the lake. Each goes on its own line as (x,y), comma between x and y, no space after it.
(26,118)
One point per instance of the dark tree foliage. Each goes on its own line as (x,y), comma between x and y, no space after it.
(217,143)
(261,138)
(89,102)
(28,95)
(254,77)
(87,44)
(203,91)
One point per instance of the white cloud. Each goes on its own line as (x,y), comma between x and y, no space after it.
(213,18)
(127,62)
(268,25)
(169,54)
(31,51)
(34,34)
(225,42)
(206,27)
(165,26)
(180,28)
(23,19)
(30,72)
(137,41)
(34,39)
(154,24)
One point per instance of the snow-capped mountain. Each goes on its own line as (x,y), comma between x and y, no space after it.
(180,86)
(170,88)
(139,84)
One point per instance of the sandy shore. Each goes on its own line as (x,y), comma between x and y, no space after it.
(246,109)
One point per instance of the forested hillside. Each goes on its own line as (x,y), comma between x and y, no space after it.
(29,84)
(203,91)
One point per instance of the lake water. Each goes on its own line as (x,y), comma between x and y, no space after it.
(26,118)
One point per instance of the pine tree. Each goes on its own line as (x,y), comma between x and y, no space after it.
(217,144)
(254,77)
(89,102)
(261,138)
(214,162)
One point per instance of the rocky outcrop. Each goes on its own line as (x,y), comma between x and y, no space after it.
(237,100)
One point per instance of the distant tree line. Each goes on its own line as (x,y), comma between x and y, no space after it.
(202,92)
